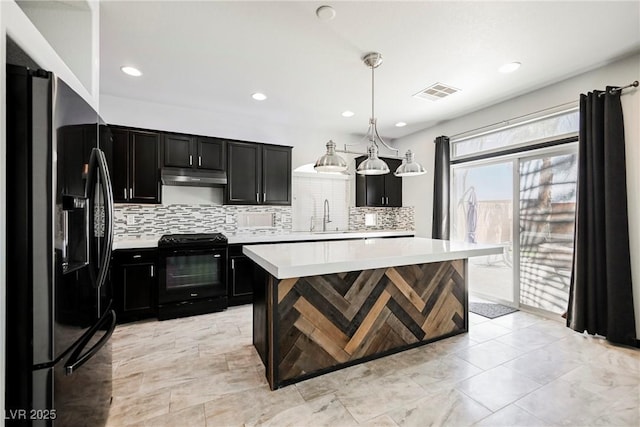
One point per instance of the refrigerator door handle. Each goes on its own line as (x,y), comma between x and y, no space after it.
(107,191)
(77,359)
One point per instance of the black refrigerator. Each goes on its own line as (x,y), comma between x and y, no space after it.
(59,235)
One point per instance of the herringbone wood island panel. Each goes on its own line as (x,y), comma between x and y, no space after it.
(322,322)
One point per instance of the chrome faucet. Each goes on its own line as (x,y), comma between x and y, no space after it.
(325,215)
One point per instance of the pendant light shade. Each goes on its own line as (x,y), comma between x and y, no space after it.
(409,166)
(330,162)
(373,165)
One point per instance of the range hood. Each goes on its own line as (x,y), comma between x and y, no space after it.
(193,178)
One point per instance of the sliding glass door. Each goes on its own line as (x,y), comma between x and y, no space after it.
(524,202)
(547,209)
(482,204)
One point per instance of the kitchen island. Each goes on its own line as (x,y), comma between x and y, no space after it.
(327,305)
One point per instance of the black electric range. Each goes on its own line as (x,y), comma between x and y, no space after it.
(192,274)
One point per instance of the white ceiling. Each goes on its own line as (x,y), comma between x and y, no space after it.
(213,55)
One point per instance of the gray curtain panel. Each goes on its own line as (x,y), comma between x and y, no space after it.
(440,228)
(601,296)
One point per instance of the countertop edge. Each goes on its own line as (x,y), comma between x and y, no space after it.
(273,238)
(365,264)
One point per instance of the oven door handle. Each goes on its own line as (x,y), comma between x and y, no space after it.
(171,252)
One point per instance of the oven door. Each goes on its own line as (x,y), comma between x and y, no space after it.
(187,274)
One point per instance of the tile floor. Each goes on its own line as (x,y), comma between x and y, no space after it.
(516,370)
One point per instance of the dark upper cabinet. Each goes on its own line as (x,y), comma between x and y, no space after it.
(244,172)
(258,174)
(199,152)
(276,175)
(379,190)
(74,151)
(212,153)
(135,175)
(178,151)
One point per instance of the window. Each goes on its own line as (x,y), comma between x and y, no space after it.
(522,134)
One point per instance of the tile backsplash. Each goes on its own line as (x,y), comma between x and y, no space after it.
(402,218)
(132,221)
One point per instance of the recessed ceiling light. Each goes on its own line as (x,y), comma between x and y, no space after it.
(401,124)
(259,96)
(348,113)
(132,71)
(510,67)
(325,13)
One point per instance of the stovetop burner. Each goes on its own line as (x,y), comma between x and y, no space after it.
(200,239)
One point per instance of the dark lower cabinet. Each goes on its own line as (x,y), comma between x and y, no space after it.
(241,276)
(135,285)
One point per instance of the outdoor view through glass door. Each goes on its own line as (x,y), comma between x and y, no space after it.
(482,206)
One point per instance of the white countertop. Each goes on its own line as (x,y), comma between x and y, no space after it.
(151,241)
(136,243)
(288,260)
(306,235)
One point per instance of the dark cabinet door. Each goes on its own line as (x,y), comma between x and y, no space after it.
(144,182)
(276,175)
(133,275)
(211,153)
(369,188)
(106,145)
(73,158)
(244,172)
(178,151)
(393,185)
(375,190)
(241,276)
(119,166)
(379,190)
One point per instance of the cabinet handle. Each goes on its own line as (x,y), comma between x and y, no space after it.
(264,197)
(387,200)
(190,160)
(199,160)
(152,271)
(125,193)
(383,200)
(137,256)
(233,263)
(258,197)
(131,193)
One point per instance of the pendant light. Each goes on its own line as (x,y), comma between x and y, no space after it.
(409,166)
(330,162)
(374,165)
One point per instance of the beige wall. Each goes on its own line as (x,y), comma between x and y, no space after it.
(418,191)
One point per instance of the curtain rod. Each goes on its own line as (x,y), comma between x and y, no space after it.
(557,109)
(620,88)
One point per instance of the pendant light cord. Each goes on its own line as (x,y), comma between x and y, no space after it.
(373,115)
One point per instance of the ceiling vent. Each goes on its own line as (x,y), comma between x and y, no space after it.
(436,91)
